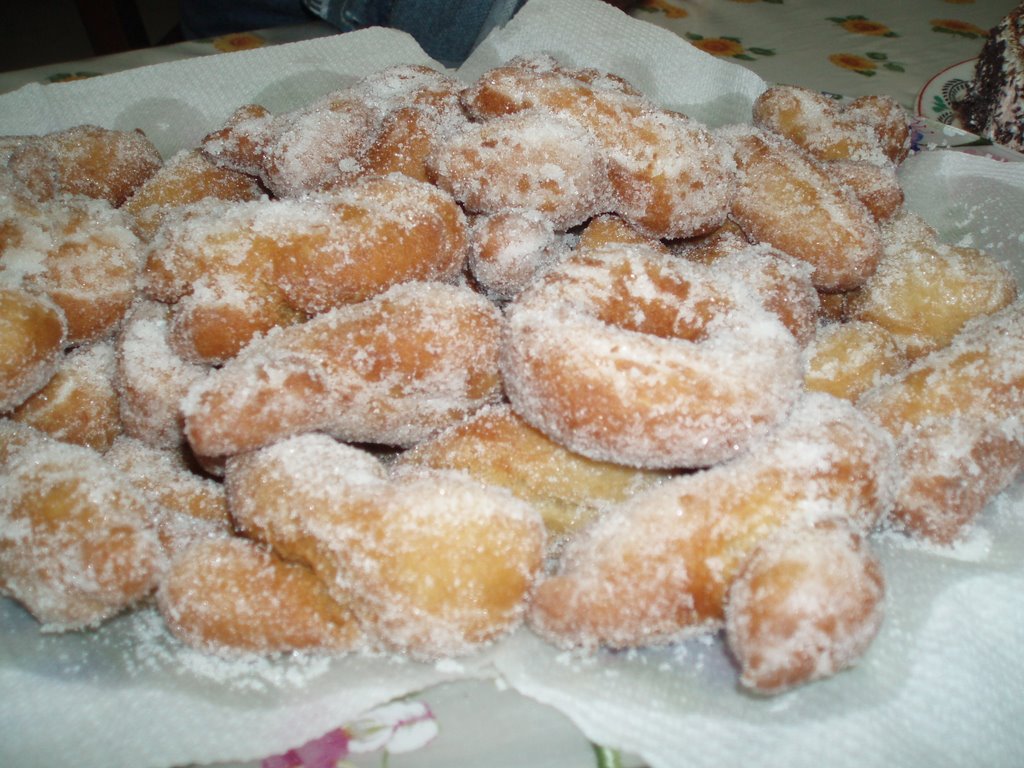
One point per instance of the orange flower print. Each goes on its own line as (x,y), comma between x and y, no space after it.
(727,47)
(66,77)
(241,41)
(862,25)
(666,7)
(867,65)
(854,63)
(958,28)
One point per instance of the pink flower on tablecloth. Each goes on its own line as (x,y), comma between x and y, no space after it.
(401,726)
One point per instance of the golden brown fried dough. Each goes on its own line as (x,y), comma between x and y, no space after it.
(658,567)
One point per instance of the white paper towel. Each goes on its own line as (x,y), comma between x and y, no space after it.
(941,686)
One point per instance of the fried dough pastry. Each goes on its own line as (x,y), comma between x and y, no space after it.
(848,359)
(670,177)
(785,199)
(872,129)
(805,605)
(957,418)
(233,271)
(782,284)
(658,567)
(79,404)
(508,249)
(384,123)
(32,338)
(78,251)
(86,160)
(228,595)
(528,160)
(184,505)
(391,370)
(434,564)
(924,290)
(623,354)
(876,186)
(186,178)
(497,447)
(75,546)
(151,378)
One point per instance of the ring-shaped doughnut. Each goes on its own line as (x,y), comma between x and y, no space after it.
(624,354)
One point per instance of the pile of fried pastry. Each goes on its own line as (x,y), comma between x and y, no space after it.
(423,361)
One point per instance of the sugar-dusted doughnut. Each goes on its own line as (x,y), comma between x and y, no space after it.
(610,228)
(419,105)
(530,160)
(925,290)
(496,446)
(390,370)
(187,177)
(507,249)
(848,359)
(876,186)
(658,567)
(319,145)
(79,404)
(184,504)
(874,129)
(75,544)
(670,177)
(32,338)
(785,199)
(805,605)
(86,160)
(375,234)
(441,564)
(782,283)
(624,354)
(151,377)
(956,415)
(241,143)
(228,595)
(79,251)
(235,270)
(383,123)
(433,564)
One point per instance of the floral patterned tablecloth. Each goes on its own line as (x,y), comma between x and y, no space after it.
(848,47)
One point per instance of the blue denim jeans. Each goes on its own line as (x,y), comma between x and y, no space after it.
(448,30)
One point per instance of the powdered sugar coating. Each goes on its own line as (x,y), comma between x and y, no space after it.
(32,337)
(806,604)
(151,377)
(531,160)
(79,404)
(670,177)
(390,370)
(227,595)
(625,355)
(871,129)
(433,564)
(75,547)
(508,249)
(87,160)
(785,199)
(657,568)
(925,290)
(957,418)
